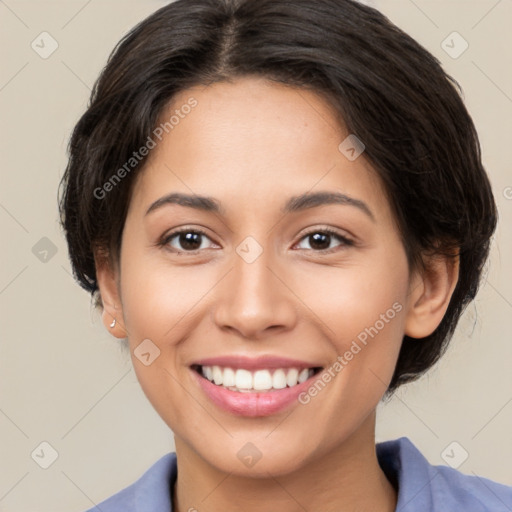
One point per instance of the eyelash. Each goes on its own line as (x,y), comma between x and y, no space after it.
(326,231)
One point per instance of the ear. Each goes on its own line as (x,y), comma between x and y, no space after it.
(107,277)
(430,293)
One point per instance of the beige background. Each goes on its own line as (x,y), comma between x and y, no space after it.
(65,381)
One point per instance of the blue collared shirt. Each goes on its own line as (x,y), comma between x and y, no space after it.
(421,486)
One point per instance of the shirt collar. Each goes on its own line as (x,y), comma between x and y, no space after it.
(421,486)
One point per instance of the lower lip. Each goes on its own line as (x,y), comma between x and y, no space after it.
(252,403)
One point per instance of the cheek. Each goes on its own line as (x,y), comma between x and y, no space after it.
(160,299)
(161,303)
(364,310)
(355,298)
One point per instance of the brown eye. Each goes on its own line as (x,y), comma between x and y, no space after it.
(187,240)
(320,240)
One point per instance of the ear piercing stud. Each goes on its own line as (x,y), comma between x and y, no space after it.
(113,324)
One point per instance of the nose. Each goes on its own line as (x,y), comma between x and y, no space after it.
(254,299)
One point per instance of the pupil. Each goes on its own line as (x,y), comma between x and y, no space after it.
(317,240)
(191,240)
(187,240)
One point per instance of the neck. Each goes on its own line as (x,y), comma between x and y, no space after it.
(344,478)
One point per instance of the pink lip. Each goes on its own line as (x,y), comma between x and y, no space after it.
(252,403)
(255,363)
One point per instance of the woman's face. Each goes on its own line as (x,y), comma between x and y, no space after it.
(265,287)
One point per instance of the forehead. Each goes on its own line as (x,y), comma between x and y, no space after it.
(253,138)
(253,117)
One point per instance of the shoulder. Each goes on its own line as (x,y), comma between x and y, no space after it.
(481,493)
(150,493)
(425,487)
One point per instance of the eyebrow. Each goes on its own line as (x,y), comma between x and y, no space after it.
(294,204)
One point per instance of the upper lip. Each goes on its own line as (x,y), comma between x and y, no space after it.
(255,363)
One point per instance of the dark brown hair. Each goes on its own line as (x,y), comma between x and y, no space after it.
(388,90)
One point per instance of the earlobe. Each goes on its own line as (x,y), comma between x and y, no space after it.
(430,295)
(114,323)
(112,315)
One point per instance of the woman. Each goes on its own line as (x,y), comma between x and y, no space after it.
(282,207)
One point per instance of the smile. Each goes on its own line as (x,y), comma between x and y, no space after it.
(259,389)
(246,381)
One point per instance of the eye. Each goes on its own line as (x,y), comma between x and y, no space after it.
(189,239)
(321,238)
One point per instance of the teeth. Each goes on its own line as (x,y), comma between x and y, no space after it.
(228,378)
(292,377)
(217,375)
(243,379)
(279,379)
(303,375)
(260,380)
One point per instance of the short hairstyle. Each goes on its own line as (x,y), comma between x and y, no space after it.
(385,87)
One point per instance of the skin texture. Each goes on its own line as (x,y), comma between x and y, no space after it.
(252,144)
